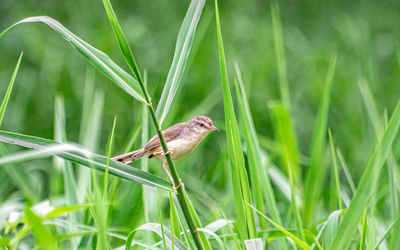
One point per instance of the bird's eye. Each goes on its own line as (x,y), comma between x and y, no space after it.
(202,125)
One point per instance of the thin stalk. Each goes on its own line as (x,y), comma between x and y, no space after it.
(180,193)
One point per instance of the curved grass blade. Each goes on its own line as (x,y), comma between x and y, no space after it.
(66,210)
(369,178)
(9,90)
(296,240)
(97,58)
(43,236)
(316,171)
(162,231)
(182,49)
(88,159)
(290,155)
(254,153)
(331,227)
(387,232)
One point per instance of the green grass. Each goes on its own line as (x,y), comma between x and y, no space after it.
(307,156)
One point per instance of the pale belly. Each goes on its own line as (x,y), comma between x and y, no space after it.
(179,148)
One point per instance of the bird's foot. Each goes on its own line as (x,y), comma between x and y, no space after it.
(181,184)
(169,152)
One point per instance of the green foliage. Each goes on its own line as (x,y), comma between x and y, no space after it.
(264,181)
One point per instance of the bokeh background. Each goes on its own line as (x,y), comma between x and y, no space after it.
(364,34)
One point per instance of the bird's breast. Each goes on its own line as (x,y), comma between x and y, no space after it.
(181,147)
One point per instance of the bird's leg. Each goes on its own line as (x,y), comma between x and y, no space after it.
(165,166)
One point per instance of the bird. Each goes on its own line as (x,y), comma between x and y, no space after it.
(181,138)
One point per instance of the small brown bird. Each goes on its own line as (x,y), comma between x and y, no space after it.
(182,138)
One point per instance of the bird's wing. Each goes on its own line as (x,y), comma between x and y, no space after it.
(170,133)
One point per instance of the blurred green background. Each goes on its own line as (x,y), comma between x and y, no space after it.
(364,34)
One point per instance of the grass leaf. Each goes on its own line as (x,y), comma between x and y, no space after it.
(70,186)
(257,173)
(241,189)
(296,240)
(86,158)
(280,55)
(96,57)
(161,231)
(3,106)
(290,154)
(182,50)
(43,236)
(371,173)
(109,152)
(316,170)
(122,42)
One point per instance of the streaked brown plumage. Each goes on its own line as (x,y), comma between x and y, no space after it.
(182,138)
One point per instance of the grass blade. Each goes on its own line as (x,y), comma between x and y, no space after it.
(368,179)
(20,178)
(387,232)
(257,172)
(90,130)
(86,158)
(346,170)
(122,42)
(316,170)
(254,164)
(296,240)
(335,171)
(161,231)
(182,50)
(280,55)
(43,236)
(197,222)
(6,98)
(97,58)
(330,228)
(392,166)
(241,187)
(109,151)
(290,157)
(173,216)
(70,187)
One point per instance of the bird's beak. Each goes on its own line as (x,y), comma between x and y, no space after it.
(214,128)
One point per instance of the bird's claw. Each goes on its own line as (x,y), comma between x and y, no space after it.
(167,153)
(181,184)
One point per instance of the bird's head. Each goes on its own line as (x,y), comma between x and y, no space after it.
(202,125)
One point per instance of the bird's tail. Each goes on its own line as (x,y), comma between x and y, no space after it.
(130,157)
